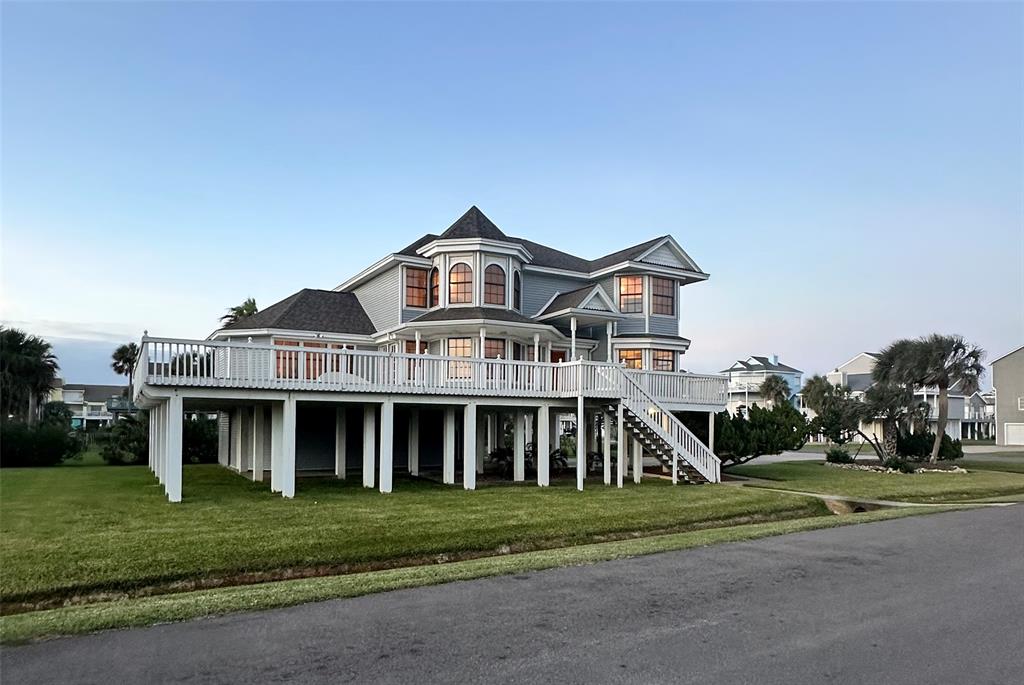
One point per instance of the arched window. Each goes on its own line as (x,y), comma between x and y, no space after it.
(435,288)
(460,284)
(517,291)
(494,285)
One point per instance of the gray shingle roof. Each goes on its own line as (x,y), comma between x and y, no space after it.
(97,393)
(763,364)
(472,313)
(473,224)
(327,311)
(573,298)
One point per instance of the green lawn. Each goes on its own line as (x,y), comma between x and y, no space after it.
(76,531)
(923,487)
(1008,466)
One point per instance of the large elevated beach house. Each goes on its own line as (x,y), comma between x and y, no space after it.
(415,364)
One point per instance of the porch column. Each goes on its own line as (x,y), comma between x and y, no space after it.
(276,444)
(530,437)
(236,438)
(606,435)
(172,479)
(483,334)
(481,444)
(387,445)
(151,446)
(469,445)
(448,470)
(572,345)
(340,435)
(620,463)
(414,441)
(581,441)
(492,431)
(638,461)
(259,435)
(158,437)
(369,443)
(543,446)
(711,431)
(287,481)
(608,334)
(519,446)
(536,347)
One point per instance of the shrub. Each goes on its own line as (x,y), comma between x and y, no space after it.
(899,464)
(56,414)
(837,455)
(918,446)
(199,441)
(126,441)
(46,444)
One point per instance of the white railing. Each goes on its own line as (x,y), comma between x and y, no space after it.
(168,361)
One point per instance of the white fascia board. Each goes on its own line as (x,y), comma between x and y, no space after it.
(354,338)
(853,359)
(540,327)
(474,245)
(600,294)
(651,269)
(382,265)
(576,311)
(645,343)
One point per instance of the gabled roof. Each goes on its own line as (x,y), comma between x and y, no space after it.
(327,311)
(473,224)
(1011,352)
(472,314)
(579,299)
(624,255)
(760,364)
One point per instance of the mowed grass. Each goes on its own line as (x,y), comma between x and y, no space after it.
(70,532)
(916,487)
(1007,466)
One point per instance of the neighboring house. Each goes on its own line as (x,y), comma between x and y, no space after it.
(979,416)
(1008,383)
(746,376)
(856,375)
(414,362)
(92,406)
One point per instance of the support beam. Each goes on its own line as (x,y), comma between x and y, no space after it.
(369,443)
(469,445)
(151,459)
(414,440)
(638,461)
(711,431)
(581,443)
(608,335)
(572,352)
(236,439)
(448,466)
(481,441)
(387,445)
(606,446)
(340,437)
(519,446)
(543,446)
(276,444)
(288,448)
(259,437)
(172,479)
(620,462)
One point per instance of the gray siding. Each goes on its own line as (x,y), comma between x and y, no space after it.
(410,314)
(664,325)
(538,289)
(1008,380)
(381,298)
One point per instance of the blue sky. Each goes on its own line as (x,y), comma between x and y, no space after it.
(847,173)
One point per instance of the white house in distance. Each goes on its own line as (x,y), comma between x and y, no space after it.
(92,406)
(856,375)
(408,365)
(746,376)
(979,416)
(1008,383)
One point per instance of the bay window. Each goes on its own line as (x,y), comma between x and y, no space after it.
(631,294)
(663,360)
(460,284)
(494,285)
(663,296)
(634,359)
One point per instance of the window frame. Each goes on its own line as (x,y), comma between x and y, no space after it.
(424,346)
(517,290)
(494,341)
(639,296)
(622,353)
(671,359)
(491,287)
(410,270)
(465,287)
(655,295)
(433,287)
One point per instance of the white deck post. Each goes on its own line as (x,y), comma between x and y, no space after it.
(173,469)
(161,446)
(151,460)
(387,444)
(236,438)
(414,442)
(340,448)
(543,446)
(608,334)
(448,466)
(711,431)
(519,446)
(259,436)
(620,462)
(536,347)
(369,443)
(555,432)
(581,443)
(638,461)
(288,411)
(572,345)
(481,444)
(606,446)
(469,445)
(276,444)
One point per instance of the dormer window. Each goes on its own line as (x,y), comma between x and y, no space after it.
(460,284)
(517,291)
(416,288)
(631,294)
(435,288)
(494,285)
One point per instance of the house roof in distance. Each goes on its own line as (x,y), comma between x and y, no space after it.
(96,393)
(328,311)
(757,363)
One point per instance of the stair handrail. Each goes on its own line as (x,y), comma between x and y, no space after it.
(676,434)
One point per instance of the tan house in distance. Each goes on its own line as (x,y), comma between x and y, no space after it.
(1008,381)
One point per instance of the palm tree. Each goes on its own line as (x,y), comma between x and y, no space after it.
(124,359)
(774,389)
(28,369)
(239,312)
(940,361)
(815,390)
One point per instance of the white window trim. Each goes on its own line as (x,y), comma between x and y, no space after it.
(675,298)
(452,263)
(488,263)
(643,295)
(405,304)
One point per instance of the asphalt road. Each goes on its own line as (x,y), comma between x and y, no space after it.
(929,599)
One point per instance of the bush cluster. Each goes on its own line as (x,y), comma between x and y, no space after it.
(45,444)
(837,455)
(918,446)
